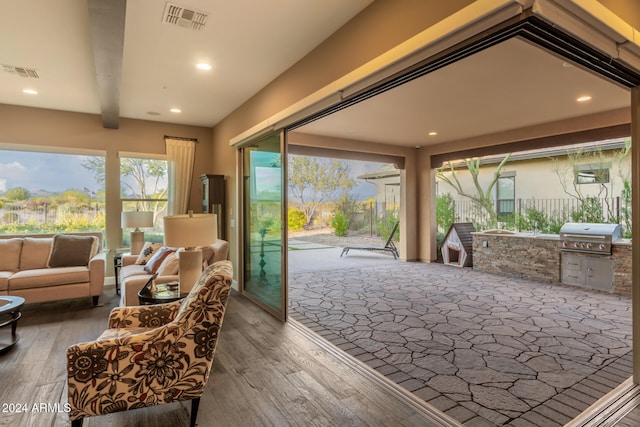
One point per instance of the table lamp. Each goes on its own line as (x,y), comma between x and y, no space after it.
(188,231)
(137,219)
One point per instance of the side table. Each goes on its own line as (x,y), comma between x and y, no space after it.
(159,293)
(10,306)
(117,265)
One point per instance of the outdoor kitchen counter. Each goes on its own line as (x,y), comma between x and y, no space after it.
(538,257)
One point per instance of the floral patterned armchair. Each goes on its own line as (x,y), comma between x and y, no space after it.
(151,354)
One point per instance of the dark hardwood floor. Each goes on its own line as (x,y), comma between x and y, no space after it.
(265,374)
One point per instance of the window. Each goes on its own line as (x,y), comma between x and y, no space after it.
(46,192)
(591,174)
(505,193)
(143,187)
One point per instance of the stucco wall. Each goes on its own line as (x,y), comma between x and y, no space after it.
(540,179)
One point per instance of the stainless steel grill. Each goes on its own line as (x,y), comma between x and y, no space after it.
(589,238)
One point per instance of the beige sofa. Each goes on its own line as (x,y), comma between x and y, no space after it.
(44,267)
(133,276)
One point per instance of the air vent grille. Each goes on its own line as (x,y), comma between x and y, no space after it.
(29,73)
(182,17)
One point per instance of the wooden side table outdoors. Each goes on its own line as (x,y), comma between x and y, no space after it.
(10,307)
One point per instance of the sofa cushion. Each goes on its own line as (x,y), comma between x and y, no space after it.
(69,251)
(147,252)
(10,250)
(4,280)
(169,266)
(35,252)
(156,259)
(131,270)
(38,278)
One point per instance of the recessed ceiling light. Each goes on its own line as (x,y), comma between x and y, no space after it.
(433,133)
(203,66)
(176,110)
(584,98)
(30,91)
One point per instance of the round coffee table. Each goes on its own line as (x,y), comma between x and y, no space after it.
(9,315)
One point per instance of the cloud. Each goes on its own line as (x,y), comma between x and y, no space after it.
(12,167)
(3,185)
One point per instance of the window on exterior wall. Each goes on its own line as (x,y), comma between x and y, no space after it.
(143,187)
(506,193)
(591,174)
(48,192)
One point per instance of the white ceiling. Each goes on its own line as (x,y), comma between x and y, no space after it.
(250,42)
(247,42)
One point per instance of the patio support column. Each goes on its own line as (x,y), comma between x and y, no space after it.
(635,227)
(427,206)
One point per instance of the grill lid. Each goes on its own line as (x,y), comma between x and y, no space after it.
(592,229)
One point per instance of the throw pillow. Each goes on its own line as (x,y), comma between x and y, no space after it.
(156,260)
(147,252)
(169,266)
(69,250)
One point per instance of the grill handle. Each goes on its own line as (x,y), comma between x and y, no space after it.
(584,236)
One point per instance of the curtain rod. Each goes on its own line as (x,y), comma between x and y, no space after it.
(180,138)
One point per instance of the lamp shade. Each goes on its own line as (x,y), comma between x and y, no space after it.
(189,231)
(137,219)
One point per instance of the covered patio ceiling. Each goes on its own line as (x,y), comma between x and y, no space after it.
(512,91)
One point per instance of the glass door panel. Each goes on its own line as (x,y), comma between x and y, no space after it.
(264,204)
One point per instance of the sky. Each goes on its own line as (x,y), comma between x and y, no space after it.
(59,172)
(44,171)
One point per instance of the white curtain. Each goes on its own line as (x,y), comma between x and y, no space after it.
(180,156)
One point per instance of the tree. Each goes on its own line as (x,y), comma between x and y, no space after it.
(482,197)
(147,174)
(313,181)
(16,194)
(599,165)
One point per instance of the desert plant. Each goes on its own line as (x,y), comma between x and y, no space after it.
(296,220)
(385,225)
(445,212)
(340,223)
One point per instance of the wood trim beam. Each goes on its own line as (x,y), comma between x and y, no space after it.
(610,132)
(106,21)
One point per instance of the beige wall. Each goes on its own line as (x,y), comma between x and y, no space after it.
(56,130)
(380,27)
(538,179)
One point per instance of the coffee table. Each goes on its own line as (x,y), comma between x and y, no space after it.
(10,311)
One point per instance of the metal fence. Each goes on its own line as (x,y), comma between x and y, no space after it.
(547,215)
(43,214)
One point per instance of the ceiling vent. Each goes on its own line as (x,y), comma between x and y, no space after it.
(182,17)
(29,73)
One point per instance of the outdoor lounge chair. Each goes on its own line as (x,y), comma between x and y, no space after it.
(388,247)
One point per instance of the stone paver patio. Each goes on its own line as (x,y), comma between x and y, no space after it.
(487,350)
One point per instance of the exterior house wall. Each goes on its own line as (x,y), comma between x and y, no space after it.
(540,179)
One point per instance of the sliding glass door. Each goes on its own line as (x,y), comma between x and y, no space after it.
(264,237)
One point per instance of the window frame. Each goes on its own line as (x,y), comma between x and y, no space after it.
(511,175)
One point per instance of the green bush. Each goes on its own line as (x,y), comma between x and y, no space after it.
(385,225)
(445,212)
(296,220)
(340,224)
(590,210)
